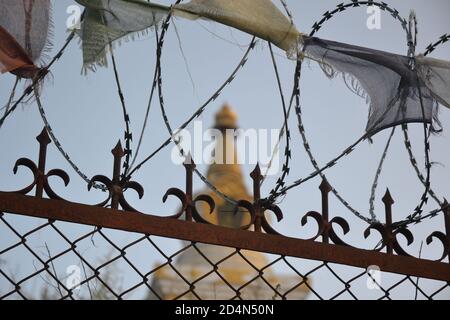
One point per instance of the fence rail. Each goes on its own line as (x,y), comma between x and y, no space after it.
(189,225)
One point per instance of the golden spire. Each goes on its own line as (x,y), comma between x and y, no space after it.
(226,118)
(226,174)
(228,179)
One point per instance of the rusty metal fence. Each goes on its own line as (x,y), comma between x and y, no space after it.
(51,248)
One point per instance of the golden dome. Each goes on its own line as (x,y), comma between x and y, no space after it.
(226,118)
(236,270)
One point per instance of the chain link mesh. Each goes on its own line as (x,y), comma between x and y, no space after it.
(45,259)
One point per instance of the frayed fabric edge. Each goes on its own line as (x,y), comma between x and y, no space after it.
(354,85)
(101,60)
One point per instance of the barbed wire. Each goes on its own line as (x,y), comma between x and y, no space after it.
(196,114)
(284,129)
(280,188)
(204,179)
(287,151)
(285,171)
(128,136)
(33,88)
(432,47)
(411,42)
(39,77)
(378,174)
(280,182)
(147,112)
(319,171)
(199,111)
(11,96)
(59,146)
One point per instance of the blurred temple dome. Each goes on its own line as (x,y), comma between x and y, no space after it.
(234,268)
